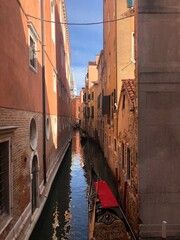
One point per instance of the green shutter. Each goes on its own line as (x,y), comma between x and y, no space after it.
(130,3)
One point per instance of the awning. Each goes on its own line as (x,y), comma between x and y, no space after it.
(105,195)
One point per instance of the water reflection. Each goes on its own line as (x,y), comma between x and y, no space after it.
(65,212)
(93,155)
(55,224)
(78,204)
(65,215)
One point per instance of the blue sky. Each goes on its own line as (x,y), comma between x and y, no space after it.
(85,41)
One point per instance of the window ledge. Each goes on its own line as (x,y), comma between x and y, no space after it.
(32,68)
(33,30)
(7,129)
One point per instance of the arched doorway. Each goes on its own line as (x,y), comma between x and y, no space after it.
(34,183)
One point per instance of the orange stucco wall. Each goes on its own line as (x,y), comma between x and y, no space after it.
(16,75)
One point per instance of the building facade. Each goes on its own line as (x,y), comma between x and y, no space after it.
(34,127)
(110,82)
(138,104)
(75,111)
(127,152)
(99,97)
(90,99)
(157,71)
(119,64)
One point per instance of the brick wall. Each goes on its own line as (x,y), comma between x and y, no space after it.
(22,155)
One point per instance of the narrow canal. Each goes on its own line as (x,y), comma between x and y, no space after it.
(65,215)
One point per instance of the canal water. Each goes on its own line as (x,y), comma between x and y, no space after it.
(65,215)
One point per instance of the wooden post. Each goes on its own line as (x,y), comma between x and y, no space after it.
(164,225)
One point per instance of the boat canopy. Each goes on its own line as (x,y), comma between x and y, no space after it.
(105,195)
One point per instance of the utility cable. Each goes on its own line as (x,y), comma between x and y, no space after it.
(123,16)
(130,14)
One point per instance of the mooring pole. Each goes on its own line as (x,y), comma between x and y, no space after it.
(116,164)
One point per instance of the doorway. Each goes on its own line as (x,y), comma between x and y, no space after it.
(34,183)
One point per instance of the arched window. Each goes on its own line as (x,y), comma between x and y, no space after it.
(33,136)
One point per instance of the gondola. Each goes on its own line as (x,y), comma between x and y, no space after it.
(83,136)
(106,221)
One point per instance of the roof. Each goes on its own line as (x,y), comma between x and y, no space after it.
(105,195)
(129,85)
(92,63)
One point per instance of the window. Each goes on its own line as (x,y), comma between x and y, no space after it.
(33,134)
(115,145)
(33,37)
(123,155)
(106,105)
(84,97)
(53,20)
(99,101)
(132,48)
(32,53)
(34,183)
(47,128)
(92,111)
(112,105)
(128,164)
(4,179)
(114,99)
(130,3)
(92,97)
(88,112)
(123,102)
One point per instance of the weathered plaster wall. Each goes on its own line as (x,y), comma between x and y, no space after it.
(159,114)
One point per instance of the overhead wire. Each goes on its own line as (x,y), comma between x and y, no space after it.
(123,16)
(82,24)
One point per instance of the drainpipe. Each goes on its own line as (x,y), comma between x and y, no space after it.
(117,94)
(43,91)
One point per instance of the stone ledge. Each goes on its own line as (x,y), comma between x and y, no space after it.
(155,231)
(7,129)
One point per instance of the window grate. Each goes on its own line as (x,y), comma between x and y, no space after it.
(32,53)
